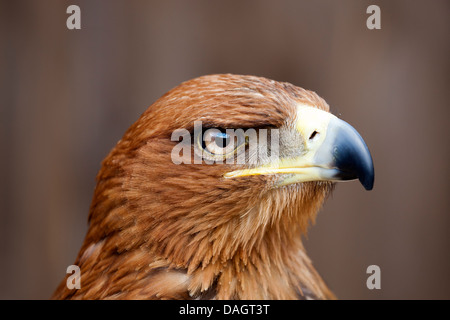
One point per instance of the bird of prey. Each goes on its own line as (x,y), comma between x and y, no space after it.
(165,229)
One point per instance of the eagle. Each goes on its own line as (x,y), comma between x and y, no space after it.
(165,226)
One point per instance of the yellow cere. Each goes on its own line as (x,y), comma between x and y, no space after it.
(309,120)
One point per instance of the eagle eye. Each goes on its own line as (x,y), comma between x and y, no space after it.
(220,143)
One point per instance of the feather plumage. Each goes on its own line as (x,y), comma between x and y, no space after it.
(163,231)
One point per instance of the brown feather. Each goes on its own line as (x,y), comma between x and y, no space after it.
(163,231)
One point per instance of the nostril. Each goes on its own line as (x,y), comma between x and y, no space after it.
(313,135)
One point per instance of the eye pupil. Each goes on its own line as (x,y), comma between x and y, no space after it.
(222,139)
(219,142)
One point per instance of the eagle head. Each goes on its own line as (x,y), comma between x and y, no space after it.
(208,193)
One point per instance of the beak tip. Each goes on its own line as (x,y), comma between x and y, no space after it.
(367,183)
(367,177)
(351,155)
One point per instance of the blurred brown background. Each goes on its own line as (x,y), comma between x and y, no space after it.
(67,97)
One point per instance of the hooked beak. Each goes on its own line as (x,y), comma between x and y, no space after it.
(332,151)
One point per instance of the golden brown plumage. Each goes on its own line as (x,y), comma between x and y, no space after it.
(158,230)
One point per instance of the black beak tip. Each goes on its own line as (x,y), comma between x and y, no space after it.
(353,158)
(366,172)
(367,181)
